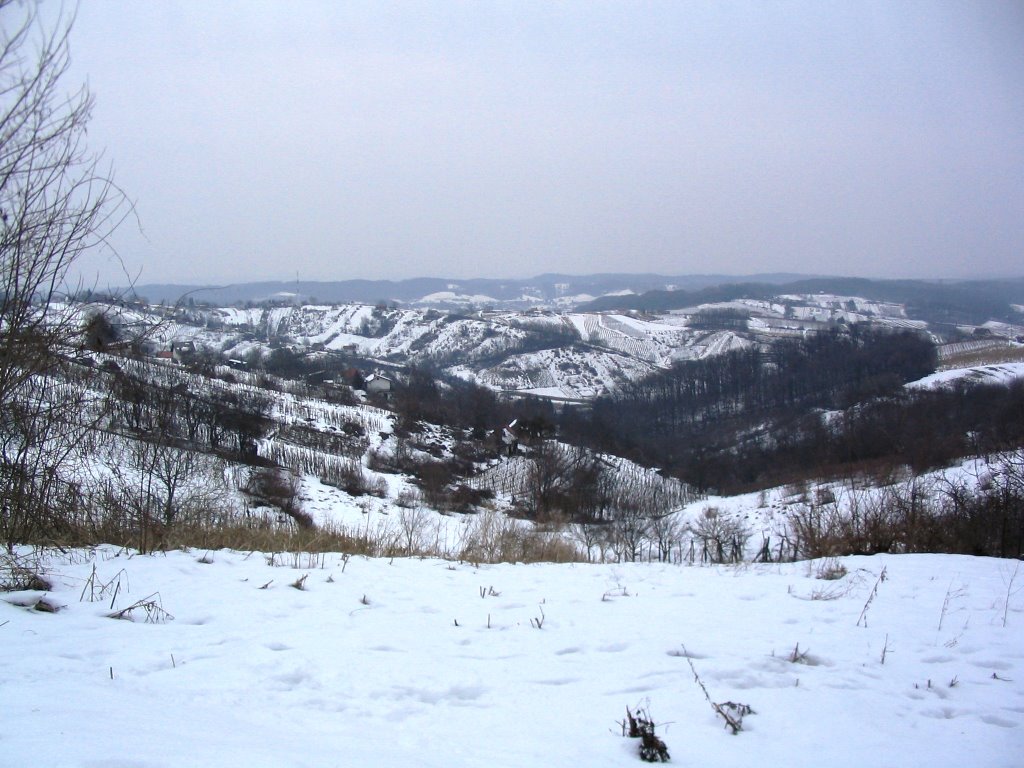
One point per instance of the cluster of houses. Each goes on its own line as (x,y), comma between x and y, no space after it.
(374,385)
(179,351)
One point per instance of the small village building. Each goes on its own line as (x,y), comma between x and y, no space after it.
(375,384)
(183,351)
(510,438)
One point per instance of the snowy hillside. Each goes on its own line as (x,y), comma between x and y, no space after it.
(561,354)
(1004,373)
(231,658)
(564,356)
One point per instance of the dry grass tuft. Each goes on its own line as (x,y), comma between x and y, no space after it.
(22,573)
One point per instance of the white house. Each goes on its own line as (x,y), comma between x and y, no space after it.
(375,384)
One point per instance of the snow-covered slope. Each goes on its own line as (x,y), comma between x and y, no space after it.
(560,354)
(571,356)
(1003,373)
(564,354)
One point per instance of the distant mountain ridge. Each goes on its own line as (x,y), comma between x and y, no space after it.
(548,290)
(963,301)
(944,301)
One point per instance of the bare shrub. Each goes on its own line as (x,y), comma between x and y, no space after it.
(22,572)
(275,487)
(491,537)
(350,476)
(413,523)
(433,479)
(641,726)
(830,569)
(722,539)
(863,523)
(409,498)
(263,535)
(159,486)
(464,498)
(592,537)
(985,517)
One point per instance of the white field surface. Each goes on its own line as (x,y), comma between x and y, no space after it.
(392,663)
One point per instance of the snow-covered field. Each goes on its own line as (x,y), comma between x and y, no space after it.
(905,660)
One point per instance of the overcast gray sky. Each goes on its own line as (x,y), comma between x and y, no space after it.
(337,140)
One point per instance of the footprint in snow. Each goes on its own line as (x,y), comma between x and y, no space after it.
(1001,722)
(566,651)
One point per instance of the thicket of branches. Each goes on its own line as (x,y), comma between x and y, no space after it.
(56,204)
(426,395)
(973,515)
(220,420)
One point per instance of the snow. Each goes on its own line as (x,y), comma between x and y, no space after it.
(549,392)
(437,663)
(1001,373)
(461,298)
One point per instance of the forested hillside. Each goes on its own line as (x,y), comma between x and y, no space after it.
(827,405)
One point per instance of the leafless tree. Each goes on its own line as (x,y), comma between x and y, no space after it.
(160,485)
(667,532)
(630,530)
(567,482)
(413,523)
(56,204)
(722,539)
(589,536)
